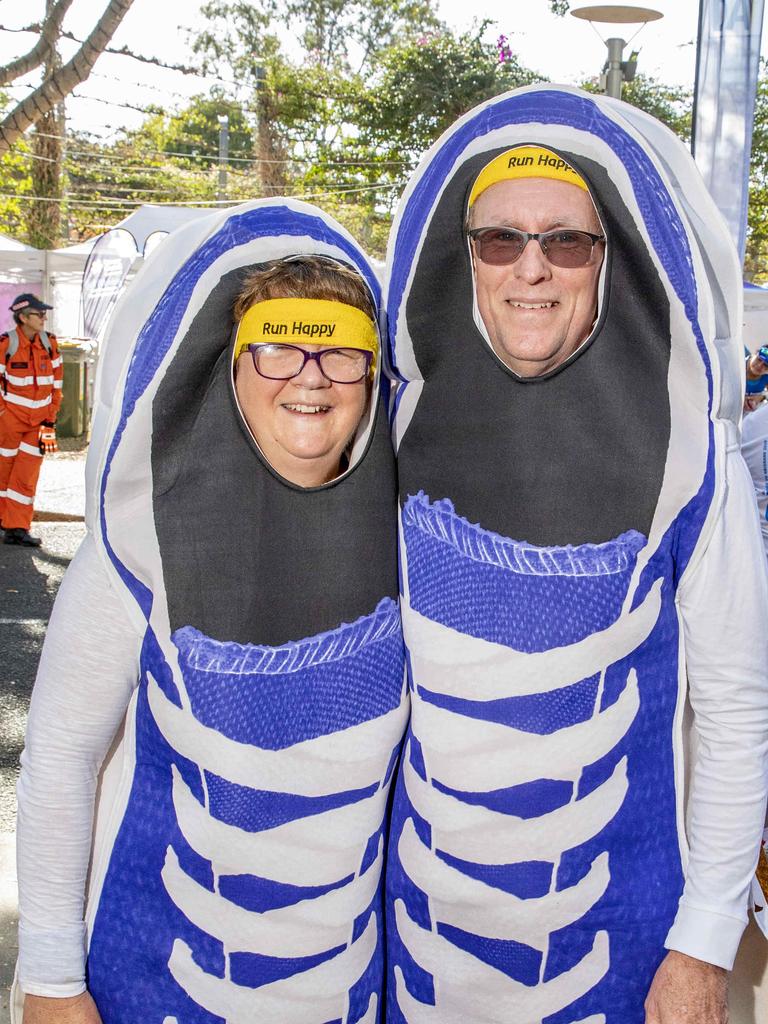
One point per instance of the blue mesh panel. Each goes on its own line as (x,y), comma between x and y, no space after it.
(274,697)
(528,598)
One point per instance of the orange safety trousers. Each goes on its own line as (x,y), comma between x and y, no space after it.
(20,462)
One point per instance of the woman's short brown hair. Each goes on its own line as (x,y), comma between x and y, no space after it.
(304,277)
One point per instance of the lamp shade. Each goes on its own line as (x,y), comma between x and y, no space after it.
(616,14)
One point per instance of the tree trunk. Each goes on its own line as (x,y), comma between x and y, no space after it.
(44,214)
(56,88)
(270,148)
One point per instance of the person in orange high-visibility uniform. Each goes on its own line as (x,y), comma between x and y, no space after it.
(31,377)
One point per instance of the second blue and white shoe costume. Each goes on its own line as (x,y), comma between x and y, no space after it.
(565,542)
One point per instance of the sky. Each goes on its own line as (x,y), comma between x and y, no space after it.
(566,50)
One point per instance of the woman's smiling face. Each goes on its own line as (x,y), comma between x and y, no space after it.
(302,425)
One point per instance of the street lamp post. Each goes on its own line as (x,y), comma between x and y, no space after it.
(223,154)
(617,70)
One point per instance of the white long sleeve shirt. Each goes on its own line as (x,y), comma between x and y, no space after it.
(89,670)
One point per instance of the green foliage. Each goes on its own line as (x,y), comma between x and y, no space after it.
(424,84)
(756,257)
(340,116)
(15,179)
(671,104)
(195,130)
(347,137)
(170,158)
(332,33)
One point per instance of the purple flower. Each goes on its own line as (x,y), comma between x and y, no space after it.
(505,50)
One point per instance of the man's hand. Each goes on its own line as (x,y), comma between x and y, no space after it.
(686,991)
(75,1010)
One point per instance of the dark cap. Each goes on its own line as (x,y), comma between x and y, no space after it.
(28,301)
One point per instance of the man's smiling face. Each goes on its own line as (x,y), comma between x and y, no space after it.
(536,314)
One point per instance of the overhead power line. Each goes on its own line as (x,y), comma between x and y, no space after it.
(211,155)
(124,51)
(194,202)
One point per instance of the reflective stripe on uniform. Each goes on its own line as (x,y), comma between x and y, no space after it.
(56,362)
(2,367)
(28,403)
(27,382)
(8,453)
(30,449)
(56,383)
(22,499)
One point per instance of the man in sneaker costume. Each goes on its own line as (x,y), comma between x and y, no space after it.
(31,378)
(579,544)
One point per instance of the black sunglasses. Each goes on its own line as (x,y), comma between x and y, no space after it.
(563,247)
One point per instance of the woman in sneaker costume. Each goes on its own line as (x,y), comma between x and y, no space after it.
(228,638)
(578,559)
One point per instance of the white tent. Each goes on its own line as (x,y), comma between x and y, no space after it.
(755,316)
(57,275)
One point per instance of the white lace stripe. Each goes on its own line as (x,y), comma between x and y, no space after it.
(316,850)
(458,665)
(473,754)
(312,997)
(482,836)
(28,403)
(8,453)
(416,1012)
(352,758)
(306,928)
(371,1016)
(482,993)
(467,903)
(30,449)
(422,1013)
(22,499)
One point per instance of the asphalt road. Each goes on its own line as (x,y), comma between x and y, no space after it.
(29,580)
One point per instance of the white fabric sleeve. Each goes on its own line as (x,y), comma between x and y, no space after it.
(724,611)
(88,671)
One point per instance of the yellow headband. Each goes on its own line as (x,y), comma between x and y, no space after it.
(525,162)
(307,321)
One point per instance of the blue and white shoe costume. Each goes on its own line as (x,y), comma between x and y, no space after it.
(537,845)
(240,837)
